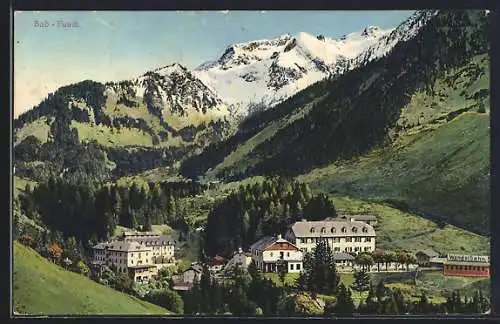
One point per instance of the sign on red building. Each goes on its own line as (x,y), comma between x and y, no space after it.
(467,265)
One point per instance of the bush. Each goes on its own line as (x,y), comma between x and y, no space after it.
(166,298)
(82,268)
(124,283)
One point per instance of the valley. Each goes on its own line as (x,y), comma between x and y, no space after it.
(338,155)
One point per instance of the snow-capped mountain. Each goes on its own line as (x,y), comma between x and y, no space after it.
(259,74)
(405,31)
(265,72)
(169,89)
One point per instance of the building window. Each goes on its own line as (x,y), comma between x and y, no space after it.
(313,230)
(365,230)
(368,239)
(291,266)
(333,230)
(323,230)
(271,254)
(354,229)
(309,240)
(132,261)
(357,239)
(348,239)
(336,248)
(288,254)
(343,230)
(131,254)
(298,266)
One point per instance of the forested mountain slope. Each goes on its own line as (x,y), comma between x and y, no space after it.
(425,95)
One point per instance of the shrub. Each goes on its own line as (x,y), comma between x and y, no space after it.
(166,298)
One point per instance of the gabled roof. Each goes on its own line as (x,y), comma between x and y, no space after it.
(153,239)
(332,228)
(262,243)
(122,246)
(268,241)
(429,252)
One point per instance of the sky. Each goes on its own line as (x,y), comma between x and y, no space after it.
(117,45)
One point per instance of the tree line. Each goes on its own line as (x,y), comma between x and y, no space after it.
(91,212)
(259,209)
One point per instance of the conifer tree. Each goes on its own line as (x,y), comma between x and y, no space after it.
(361,282)
(381,291)
(344,305)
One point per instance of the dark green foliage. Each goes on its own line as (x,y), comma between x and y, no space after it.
(57,103)
(265,294)
(344,306)
(253,211)
(28,149)
(319,273)
(124,283)
(319,208)
(381,291)
(166,298)
(361,281)
(282,268)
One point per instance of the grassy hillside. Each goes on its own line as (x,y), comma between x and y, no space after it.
(40,287)
(441,174)
(397,229)
(438,165)
(20,184)
(38,128)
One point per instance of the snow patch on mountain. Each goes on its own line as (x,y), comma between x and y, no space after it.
(266,72)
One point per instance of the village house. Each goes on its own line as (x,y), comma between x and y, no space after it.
(466,266)
(217,263)
(424,257)
(186,280)
(240,258)
(130,258)
(269,250)
(342,235)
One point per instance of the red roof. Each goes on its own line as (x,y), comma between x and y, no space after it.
(218,260)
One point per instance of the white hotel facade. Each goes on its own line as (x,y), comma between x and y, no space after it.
(342,235)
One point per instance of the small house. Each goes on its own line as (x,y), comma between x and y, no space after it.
(424,257)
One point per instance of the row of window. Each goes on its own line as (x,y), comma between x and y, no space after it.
(354,229)
(459,267)
(287,254)
(346,249)
(297,266)
(334,239)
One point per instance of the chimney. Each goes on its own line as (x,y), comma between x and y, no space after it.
(240,250)
(303,220)
(352,219)
(279,236)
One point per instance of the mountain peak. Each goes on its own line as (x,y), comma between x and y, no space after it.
(172,68)
(370,31)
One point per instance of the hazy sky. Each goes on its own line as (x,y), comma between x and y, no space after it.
(116,45)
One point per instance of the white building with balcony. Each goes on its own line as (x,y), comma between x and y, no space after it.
(269,251)
(342,235)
